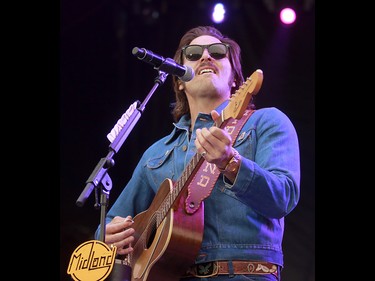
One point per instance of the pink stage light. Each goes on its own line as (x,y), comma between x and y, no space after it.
(288,16)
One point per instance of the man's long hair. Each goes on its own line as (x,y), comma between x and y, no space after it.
(181,106)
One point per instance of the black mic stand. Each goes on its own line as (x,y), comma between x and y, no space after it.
(101,181)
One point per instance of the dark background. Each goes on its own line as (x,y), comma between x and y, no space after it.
(100,79)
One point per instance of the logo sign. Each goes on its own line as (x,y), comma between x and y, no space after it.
(92,261)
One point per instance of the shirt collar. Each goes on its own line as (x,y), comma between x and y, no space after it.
(183,125)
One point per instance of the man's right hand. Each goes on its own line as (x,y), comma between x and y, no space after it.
(120,234)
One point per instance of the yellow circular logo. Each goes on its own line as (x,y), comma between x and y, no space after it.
(92,261)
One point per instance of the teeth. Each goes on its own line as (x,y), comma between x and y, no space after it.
(206,71)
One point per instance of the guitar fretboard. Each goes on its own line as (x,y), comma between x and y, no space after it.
(169,200)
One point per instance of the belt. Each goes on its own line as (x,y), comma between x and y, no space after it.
(215,268)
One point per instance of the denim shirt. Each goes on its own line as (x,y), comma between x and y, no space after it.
(243,220)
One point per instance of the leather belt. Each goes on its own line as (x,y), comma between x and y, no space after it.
(215,268)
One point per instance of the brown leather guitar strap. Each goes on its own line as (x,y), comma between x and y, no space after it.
(204,179)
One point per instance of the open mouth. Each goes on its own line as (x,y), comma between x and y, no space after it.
(206,70)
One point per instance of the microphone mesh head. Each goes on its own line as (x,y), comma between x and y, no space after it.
(189,74)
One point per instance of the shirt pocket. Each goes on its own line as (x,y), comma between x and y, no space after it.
(159,160)
(242,138)
(160,167)
(245,143)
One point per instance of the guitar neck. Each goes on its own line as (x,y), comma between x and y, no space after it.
(186,176)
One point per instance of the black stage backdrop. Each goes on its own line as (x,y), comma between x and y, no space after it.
(100,79)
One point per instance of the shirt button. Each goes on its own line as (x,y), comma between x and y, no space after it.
(184,148)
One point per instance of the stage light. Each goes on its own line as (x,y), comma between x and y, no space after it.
(287,16)
(289,11)
(218,13)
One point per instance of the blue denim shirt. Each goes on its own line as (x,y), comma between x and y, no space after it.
(243,220)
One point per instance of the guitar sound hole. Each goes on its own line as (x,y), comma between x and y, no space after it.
(151,236)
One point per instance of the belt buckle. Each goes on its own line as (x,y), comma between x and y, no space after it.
(208,269)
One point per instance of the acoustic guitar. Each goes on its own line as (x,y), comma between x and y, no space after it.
(167,236)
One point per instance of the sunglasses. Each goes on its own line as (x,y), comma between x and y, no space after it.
(195,52)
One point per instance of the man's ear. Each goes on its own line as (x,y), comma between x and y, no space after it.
(181,86)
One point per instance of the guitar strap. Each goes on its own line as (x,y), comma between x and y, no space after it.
(204,179)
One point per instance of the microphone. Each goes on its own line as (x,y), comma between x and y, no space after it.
(183,72)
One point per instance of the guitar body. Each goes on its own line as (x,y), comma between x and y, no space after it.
(164,252)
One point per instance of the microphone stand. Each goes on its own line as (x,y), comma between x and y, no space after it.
(99,178)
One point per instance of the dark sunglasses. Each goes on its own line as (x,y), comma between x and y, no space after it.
(195,52)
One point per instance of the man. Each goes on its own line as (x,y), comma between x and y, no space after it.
(243,214)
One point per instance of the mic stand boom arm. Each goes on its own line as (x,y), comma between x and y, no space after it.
(99,178)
